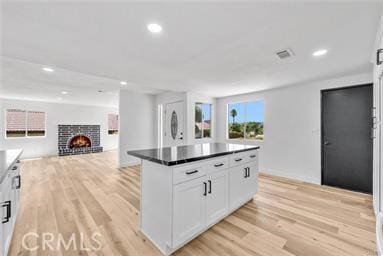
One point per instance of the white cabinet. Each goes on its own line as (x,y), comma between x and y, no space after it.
(217,196)
(243,180)
(199,203)
(237,189)
(251,181)
(6,212)
(189,209)
(15,191)
(180,202)
(9,205)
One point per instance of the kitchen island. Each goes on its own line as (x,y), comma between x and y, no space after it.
(187,189)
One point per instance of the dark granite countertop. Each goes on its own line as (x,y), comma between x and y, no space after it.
(184,154)
(7,159)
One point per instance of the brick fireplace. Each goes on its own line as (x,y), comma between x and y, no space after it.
(78,139)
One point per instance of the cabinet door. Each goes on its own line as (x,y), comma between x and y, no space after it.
(189,209)
(15,192)
(6,213)
(1,225)
(237,189)
(218,196)
(251,181)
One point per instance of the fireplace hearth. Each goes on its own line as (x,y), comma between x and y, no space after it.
(78,139)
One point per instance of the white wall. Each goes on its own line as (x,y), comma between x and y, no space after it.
(291,146)
(55,114)
(189,99)
(137,124)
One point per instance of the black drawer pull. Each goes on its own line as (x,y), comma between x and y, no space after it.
(191,172)
(205,189)
(252,156)
(14,168)
(218,165)
(18,161)
(8,205)
(209,186)
(18,186)
(378,60)
(238,159)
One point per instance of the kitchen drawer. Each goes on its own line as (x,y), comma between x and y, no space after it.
(216,164)
(253,155)
(188,172)
(243,157)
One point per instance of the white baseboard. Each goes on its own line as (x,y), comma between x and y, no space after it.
(130,163)
(379,239)
(290,175)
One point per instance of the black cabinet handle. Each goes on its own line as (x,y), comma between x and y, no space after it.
(209,186)
(238,159)
(218,165)
(252,156)
(18,186)
(205,189)
(378,60)
(18,161)
(191,172)
(14,168)
(247,172)
(7,204)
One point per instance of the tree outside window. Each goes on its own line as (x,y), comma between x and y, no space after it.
(245,120)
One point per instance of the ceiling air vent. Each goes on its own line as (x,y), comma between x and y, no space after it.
(284,54)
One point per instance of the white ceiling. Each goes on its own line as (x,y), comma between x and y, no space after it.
(212,48)
(26,80)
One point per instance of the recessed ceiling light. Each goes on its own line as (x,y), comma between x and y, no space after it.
(48,69)
(320,52)
(64,92)
(123,83)
(154,28)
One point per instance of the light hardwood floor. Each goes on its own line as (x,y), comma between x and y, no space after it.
(87,194)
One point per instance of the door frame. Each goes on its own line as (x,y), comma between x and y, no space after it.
(322,118)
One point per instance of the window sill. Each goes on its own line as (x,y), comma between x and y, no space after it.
(245,140)
(25,137)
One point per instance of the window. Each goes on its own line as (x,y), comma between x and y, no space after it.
(22,123)
(202,120)
(112,124)
(245,120)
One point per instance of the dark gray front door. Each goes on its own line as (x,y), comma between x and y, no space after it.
(346,138)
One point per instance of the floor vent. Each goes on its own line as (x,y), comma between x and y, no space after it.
(284,54)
